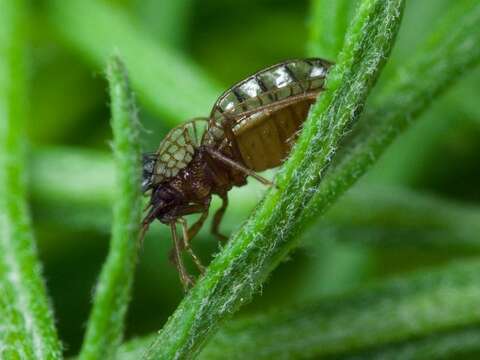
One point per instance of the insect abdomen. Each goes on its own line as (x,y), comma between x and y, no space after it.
(267,138)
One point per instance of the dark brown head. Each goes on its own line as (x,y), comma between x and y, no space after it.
(164,198)
(149,161)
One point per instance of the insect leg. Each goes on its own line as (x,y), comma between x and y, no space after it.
(227,126)
(239,167)
(195,228)
(187,238)
(176,257)
(147,220)
(217,219)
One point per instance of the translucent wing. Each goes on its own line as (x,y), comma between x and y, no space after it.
(178,148)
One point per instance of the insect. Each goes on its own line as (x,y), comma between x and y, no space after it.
(251,128)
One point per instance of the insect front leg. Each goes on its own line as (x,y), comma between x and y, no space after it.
(176,257)
(148,219)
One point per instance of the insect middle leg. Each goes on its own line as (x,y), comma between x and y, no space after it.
(189,234)
(227,125)
(235,165)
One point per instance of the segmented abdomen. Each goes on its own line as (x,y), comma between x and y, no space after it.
(268,139)
(266,110)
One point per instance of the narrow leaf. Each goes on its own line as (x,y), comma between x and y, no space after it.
(328,25)
(158,73)
(112,295)
(168,20)
(27,328)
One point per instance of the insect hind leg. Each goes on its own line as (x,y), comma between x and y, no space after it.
(227,161)
(217,218)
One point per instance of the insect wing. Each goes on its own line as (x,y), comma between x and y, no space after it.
(178,148)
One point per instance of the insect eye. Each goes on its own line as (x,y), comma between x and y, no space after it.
(146,184)
(148,169)
(148,163)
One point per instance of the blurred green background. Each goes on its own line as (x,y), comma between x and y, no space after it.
(71,173)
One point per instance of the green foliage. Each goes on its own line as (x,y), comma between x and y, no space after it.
(321,303)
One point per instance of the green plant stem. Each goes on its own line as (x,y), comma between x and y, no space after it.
(27,329)
(239,270)
(431,315)
(328,25)
(170,85)
(442,62)
(112,294)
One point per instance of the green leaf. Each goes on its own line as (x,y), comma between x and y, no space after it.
(112,294)
(87,176)
(328,25)
(402,218)
(459,343)
(168,20)
(239,270)
(26,320)
(158,73)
